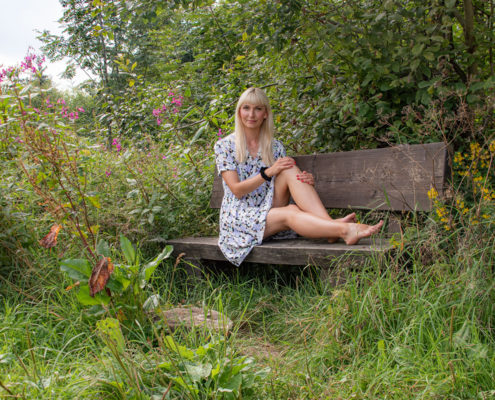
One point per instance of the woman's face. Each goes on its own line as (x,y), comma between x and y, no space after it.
(252,116)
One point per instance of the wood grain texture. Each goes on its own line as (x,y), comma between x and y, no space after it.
(396,178)
(290,252)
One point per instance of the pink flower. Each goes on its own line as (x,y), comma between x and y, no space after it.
(140,170)
(164,157)
(36,110)
(156,112)
(80,109)
(170,94)
(108,173)
(175,110)
(164,108)
(117,144)
(220,133)
(158,121)
(61,101)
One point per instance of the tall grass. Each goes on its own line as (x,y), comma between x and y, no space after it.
(422,332)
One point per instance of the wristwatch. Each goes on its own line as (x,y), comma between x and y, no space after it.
(264,175)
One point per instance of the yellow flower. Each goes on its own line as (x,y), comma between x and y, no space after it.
(475,149)
(458,158)
(447,227)
(441,212)
(432,193)
(492,146)
(486,216)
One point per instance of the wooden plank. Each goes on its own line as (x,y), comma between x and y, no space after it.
(396,178)
(289,252)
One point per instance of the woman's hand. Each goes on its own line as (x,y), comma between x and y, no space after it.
(306,177)
(279,165)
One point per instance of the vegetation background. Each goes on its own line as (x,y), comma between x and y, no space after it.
(114,169)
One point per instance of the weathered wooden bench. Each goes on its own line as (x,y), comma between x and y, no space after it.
(396,179)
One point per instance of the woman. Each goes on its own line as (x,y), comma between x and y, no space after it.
(258,180)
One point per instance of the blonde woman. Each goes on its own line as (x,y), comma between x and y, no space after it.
(258,181)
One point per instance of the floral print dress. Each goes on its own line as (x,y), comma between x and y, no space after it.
(242,221)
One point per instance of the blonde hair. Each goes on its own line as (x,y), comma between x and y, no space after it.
(256,97)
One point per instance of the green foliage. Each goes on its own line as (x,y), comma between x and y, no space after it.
(127,282)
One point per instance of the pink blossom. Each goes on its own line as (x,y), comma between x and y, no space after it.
(156,112)
(117,144)
(140,170)
(61,101)
(170,94)
(80,109)
(108,173)
(158,121)
(175,110)
(164,157)
(36,110)
(74,115)
(220,133)
(164,108)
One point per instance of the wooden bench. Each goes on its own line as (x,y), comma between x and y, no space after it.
(396,179)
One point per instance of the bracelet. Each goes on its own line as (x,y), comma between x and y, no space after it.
(264,175)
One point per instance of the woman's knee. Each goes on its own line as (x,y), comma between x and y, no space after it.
(289,172)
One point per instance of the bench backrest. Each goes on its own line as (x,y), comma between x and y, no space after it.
(395,178)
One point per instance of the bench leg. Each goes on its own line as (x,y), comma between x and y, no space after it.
(338,272)
(193,268)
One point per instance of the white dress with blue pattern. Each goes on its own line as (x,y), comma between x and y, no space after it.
(242,221)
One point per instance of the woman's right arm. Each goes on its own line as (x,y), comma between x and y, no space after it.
(241,188)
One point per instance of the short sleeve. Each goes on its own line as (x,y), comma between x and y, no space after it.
(225,156)
(279,150)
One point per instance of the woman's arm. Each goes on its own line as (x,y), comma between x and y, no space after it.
(241,188)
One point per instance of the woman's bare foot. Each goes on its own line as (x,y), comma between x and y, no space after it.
(351,218)
(358,231)
(348,218)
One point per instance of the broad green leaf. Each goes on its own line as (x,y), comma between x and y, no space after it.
(115,285)
(111,333)
(199,132)
(179,349)
(149,268)
(103,249)
(77,269)
(417,49)
(85,299)
(198,372)
(152,302)
(128,250)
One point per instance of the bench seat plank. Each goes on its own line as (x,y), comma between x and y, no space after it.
(299,251)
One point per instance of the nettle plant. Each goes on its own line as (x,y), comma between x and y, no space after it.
(117,287)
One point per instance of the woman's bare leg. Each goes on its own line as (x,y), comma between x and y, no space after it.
(312,226)
(304,195)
